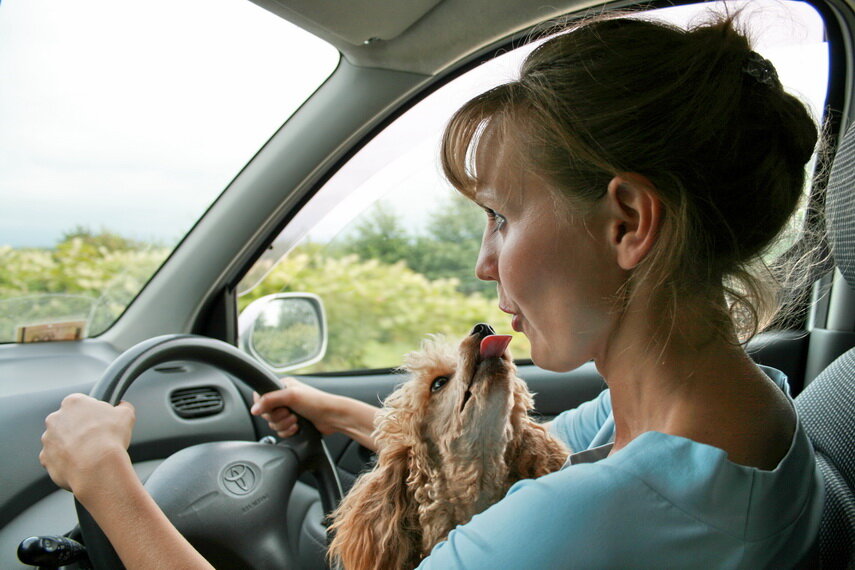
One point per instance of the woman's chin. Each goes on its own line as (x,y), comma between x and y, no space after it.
(549,358)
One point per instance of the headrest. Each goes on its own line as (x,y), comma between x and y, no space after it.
(840,207)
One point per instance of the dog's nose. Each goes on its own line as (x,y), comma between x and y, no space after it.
(482,330)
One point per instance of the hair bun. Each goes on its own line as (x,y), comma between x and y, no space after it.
(761,70)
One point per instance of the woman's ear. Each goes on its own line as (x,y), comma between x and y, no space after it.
(635,214)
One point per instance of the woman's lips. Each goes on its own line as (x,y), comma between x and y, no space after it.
(516,321)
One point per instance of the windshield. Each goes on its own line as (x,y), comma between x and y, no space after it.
(120,123)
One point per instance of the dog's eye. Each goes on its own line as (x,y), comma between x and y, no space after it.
(438,383)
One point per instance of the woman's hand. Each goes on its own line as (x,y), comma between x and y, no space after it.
(83,439)
(85,450)
(315,405)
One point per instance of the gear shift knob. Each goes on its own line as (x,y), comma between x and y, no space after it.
(50,551)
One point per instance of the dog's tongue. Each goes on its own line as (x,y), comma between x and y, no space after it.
(494,345)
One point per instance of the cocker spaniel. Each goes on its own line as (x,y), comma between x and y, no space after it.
(452,440)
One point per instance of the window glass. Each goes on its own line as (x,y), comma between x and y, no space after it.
(391,247)
(120,123)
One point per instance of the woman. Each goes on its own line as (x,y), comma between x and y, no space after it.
(631,178)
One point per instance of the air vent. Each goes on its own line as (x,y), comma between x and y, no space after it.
(197,402)
(171,369)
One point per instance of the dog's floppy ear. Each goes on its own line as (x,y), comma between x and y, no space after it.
(375,524)
(533,452)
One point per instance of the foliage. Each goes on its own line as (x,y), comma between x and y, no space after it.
(448,249)
(451,246)
(286,332)
(87,276)
(377,235)
(104,239)
(376,312)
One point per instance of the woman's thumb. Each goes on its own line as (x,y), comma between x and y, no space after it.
(270,401)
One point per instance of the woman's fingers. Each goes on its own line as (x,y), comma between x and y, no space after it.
(311,403)
(270,401)
(83,434)
(273,407)
(288,432)
(282,421)
(278,415)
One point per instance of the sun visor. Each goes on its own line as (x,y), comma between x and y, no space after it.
(354,21)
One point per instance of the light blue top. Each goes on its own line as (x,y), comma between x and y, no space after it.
(662,501)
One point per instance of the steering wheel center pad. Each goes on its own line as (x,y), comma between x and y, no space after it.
(229,500)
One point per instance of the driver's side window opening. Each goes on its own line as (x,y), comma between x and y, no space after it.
(393,259)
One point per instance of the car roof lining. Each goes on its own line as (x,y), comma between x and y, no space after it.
(419,36)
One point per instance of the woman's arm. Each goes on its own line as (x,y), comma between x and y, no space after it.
(136,527)
(330,413)
(87,439)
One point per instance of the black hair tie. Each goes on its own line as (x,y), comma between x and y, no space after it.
(761,69)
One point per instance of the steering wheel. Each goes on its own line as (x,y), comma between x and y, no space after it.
(228,498)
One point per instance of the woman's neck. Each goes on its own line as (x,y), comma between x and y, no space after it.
(692,383)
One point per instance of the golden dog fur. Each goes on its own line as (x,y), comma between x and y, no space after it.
(443,456)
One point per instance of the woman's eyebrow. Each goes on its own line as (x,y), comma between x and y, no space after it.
(484,206)
(483,192)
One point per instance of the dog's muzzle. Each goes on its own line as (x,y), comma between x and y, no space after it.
(482,329)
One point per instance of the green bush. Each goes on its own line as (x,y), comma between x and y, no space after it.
(85,277)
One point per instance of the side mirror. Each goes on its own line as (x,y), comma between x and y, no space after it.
(284,331)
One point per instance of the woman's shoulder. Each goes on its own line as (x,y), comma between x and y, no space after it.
(692,480)
(580,426)
(702,481)
(644,501)
(777,376)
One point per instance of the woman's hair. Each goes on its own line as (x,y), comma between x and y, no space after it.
(696,112)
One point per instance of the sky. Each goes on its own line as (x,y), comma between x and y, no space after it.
(134,116)
(400,165)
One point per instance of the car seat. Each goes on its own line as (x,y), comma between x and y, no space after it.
(826,407)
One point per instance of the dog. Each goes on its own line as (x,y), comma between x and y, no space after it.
(451,441)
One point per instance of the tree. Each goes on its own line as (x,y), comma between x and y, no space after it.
(105,238)
(379,235)
(450,248)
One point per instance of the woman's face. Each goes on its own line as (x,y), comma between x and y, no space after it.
(555,272)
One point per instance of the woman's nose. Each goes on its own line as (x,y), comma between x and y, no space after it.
(486,268)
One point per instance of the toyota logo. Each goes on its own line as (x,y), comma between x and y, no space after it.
(239,478)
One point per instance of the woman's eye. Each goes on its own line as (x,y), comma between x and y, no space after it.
(438,383)
(498,221)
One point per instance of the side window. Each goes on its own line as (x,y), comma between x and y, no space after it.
(393,257)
